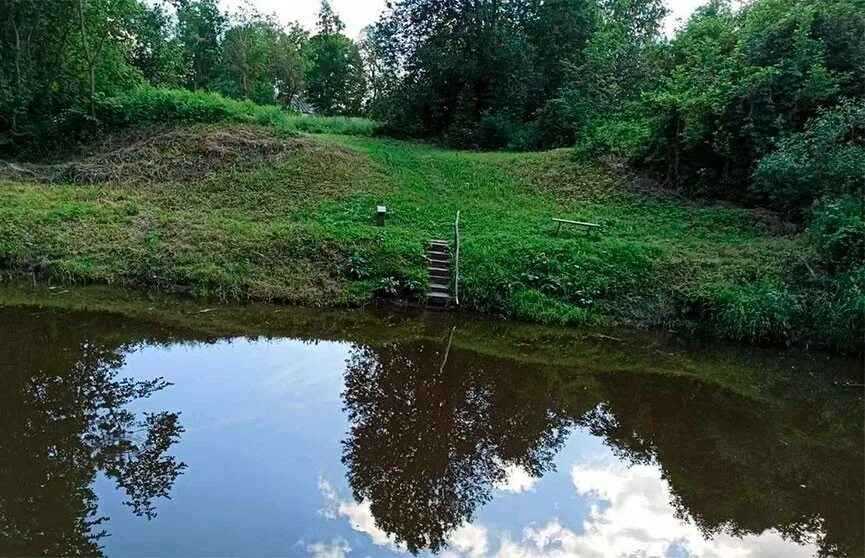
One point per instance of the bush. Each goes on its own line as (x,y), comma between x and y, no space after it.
(838,306)
(151,104)
(838,231)
(147,105)
(827,158)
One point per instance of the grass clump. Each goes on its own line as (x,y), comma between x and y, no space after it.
(534,305)
(766,310)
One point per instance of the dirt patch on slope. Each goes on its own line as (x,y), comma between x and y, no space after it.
(165,155)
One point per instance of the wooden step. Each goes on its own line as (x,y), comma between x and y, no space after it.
(439,298)
(439,288)
(439,273)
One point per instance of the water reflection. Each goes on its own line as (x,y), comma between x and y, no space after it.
(484,440)
(63,420)
(430,438)
(433,435)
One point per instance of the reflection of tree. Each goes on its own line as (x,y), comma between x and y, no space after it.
(428,442)
(62,420)
(740,466)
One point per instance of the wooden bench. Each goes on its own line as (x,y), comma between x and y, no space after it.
(586,226)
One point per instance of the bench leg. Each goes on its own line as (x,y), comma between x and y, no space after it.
(558,229)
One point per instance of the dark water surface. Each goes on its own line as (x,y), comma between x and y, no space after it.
(185,433)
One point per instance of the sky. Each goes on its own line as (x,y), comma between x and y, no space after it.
(357,14)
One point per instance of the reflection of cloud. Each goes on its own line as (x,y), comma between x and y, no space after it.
(331,503)
(631,515)
(337,548)
(360,518)
(516,480)
(359,515)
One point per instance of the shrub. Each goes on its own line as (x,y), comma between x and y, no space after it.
(838,231)
(151,104)
(827,158)
(839,307)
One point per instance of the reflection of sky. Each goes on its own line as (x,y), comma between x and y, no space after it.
(264,423)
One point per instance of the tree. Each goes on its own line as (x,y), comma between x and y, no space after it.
(102,42)
(334,77)
(200,29)
(157,52)
(287,64)
(244,71)
(34,36)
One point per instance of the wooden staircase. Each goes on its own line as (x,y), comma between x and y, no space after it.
(438,255)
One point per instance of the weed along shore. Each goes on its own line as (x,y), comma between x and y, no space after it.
(247,212)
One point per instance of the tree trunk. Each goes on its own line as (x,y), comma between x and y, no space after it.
(17,74)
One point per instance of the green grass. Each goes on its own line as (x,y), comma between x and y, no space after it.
(298,226)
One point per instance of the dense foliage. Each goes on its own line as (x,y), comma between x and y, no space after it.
(763,105)
(702,108)
(61,59)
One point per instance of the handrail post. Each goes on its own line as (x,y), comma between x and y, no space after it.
(457,258)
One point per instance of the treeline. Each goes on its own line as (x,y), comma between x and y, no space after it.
(763,105)
(59,59)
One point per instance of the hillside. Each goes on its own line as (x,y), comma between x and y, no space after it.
(242,212)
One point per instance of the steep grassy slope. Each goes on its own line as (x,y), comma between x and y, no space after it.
(241,212)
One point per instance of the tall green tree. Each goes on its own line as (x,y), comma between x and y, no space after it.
(287,63)
(34,38)
(477,73)
(200,26)
(244,70)
(335,82)
(157,52)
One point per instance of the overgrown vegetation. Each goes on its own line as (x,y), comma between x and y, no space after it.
(761,106)
(292,219)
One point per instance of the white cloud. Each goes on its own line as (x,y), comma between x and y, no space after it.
(361,520)
(469,540)
(331,502)
(631,515)
(337,548)
(516,480)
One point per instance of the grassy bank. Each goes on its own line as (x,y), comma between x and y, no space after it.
(243,212)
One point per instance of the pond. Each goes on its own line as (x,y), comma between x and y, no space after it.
(147,428)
